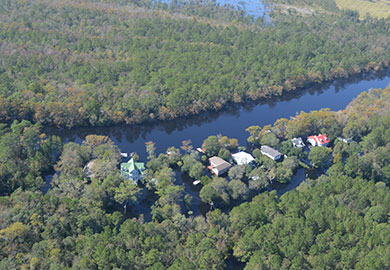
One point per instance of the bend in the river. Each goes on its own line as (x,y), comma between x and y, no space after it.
(230,122)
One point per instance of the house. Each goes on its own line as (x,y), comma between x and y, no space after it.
(318,140)
(218,166)
(270,152)
(132,170)
(298,142)
(243,158)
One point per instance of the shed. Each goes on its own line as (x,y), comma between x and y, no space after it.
(270,152)
(218,166)
(243,158)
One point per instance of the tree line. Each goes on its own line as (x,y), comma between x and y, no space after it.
(97,63)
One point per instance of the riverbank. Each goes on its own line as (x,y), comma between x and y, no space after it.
(292,88)
(231,122)
(158,67)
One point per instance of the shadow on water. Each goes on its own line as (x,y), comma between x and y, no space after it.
(233,264)
(148,198)
(47,185)
(197,207)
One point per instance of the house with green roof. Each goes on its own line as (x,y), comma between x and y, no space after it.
(132,170)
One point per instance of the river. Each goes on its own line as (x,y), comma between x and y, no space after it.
(231,121)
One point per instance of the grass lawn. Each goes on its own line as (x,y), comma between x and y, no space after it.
(376,8)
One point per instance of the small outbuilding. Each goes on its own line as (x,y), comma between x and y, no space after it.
(218,166)
(243,158)
(270,152)
(298,142)
(133,170)
(196,182)
(318,140)
(200,150)
(88,169)
(345,140)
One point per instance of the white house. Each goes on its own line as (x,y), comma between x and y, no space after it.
(243,158)
(318,140)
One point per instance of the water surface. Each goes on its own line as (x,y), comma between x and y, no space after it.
(253,8)
(232,121)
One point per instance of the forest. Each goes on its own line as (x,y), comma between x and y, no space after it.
(81,63)
(67,205)
(338,220)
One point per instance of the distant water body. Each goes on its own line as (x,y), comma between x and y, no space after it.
(253,8)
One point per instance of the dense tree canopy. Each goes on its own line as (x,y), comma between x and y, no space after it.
(334,223)
(72,63)
(25,155)
(69,63)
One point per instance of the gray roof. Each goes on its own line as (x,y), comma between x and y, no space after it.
(222,167)
(219,163)
(270,151)
(298,142)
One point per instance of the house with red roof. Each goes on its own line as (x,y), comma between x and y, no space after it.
(318,140)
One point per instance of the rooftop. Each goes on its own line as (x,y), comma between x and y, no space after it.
(217,161)
(297,142)
(243,158)
(270,151)
(320,138)
(131,165)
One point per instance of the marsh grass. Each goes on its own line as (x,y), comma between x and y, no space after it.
(376,8)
